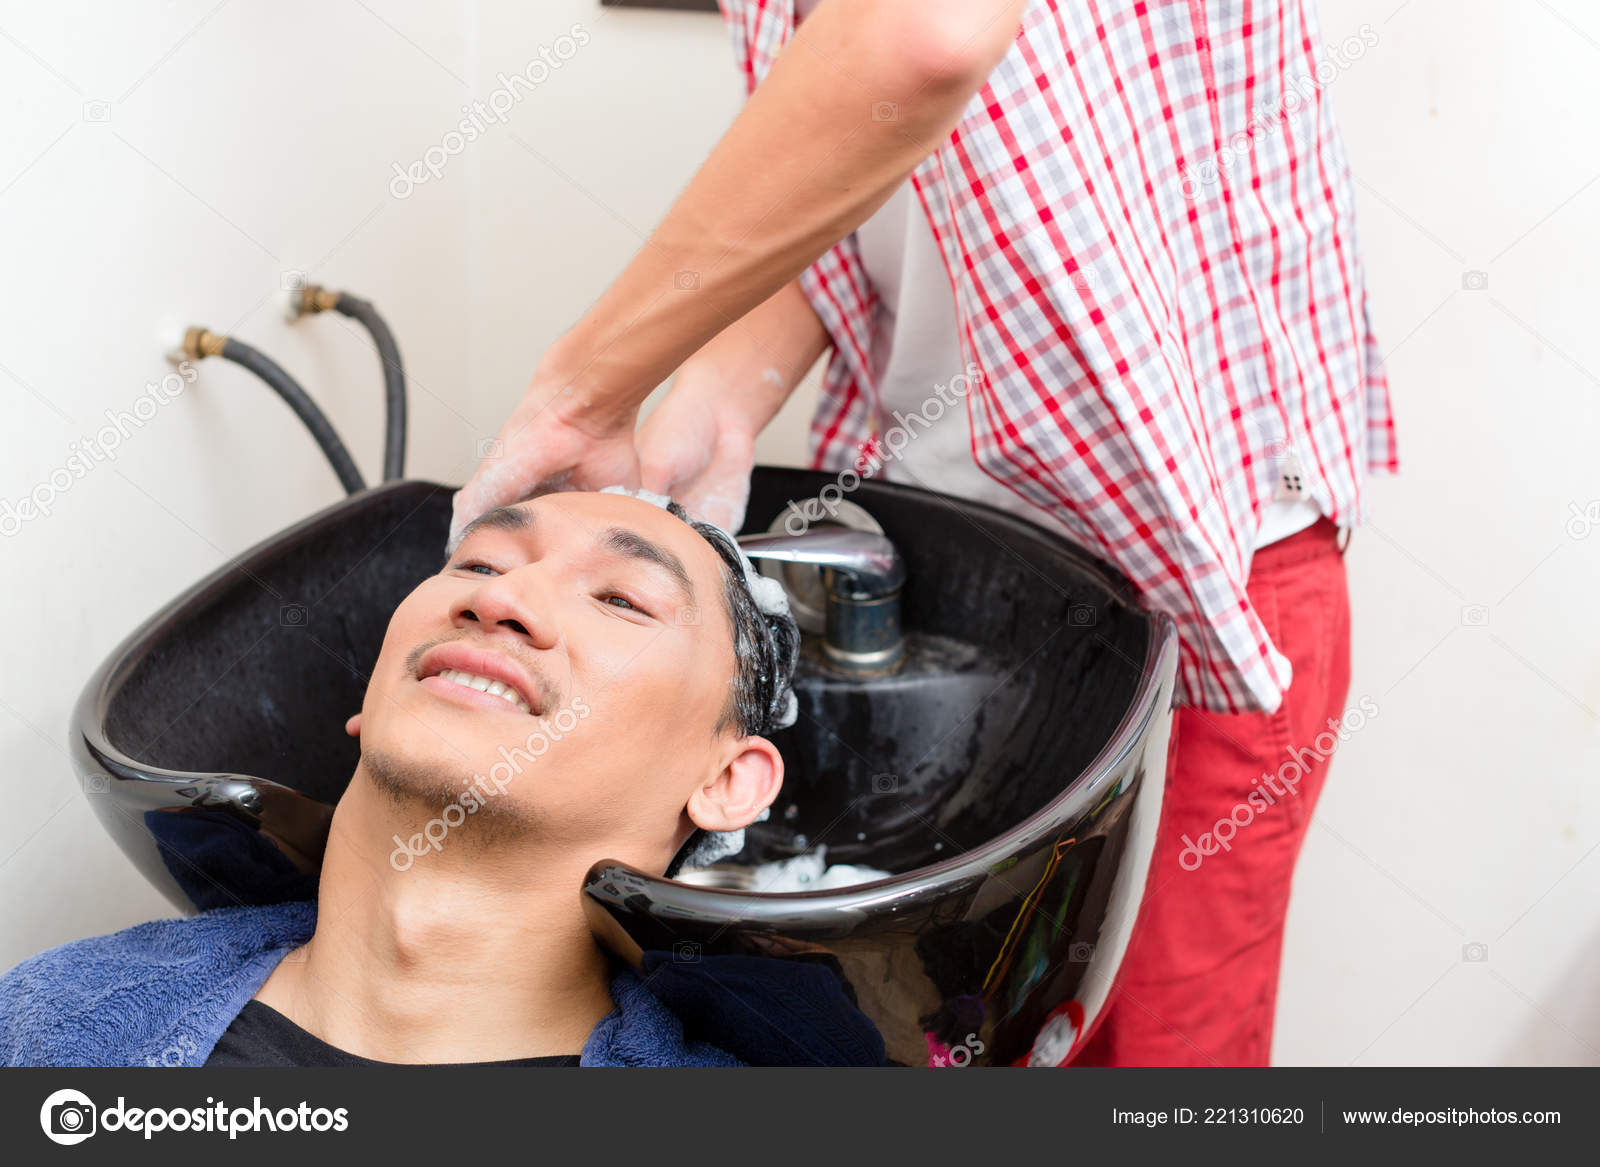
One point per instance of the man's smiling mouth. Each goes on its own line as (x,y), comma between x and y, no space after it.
(470,675)
(485,685)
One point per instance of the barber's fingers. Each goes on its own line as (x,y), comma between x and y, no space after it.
(497,482)
(676,443)
(712,482)
(721,493)
(687,453)
(536,452)
(670,466)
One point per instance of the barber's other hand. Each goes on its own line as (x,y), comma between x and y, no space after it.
(547,444)
(701,452)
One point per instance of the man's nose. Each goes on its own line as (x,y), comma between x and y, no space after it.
(509,602)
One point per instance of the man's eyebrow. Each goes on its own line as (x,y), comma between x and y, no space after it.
(635,546)
(506,518)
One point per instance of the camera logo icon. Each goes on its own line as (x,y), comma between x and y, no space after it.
(292,615)
(686,281)
(686,950)
(67,1117)
(1583,521)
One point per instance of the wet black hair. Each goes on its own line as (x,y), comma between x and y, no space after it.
(765,649)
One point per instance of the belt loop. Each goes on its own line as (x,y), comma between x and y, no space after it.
(1344,538)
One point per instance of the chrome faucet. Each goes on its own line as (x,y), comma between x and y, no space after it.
(862,574)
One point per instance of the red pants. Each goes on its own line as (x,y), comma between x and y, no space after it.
(1199,984)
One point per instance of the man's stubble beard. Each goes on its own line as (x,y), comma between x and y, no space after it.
(420,794)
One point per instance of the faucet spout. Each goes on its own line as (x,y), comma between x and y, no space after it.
(865,565)
(863,575)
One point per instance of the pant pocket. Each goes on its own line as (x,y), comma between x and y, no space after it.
(1308,609)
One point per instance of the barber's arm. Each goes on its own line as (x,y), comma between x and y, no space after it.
(698,445)
(803,164)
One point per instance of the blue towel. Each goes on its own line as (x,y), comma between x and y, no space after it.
(770,1012)
(162,993)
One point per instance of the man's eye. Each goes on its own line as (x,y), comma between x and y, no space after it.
(621,601)
(473,565)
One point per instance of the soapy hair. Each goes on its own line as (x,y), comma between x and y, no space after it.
(766,645)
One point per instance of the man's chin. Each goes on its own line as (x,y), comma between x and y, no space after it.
(408,781)
(423,790)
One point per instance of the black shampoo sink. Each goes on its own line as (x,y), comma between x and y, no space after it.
(1007,778)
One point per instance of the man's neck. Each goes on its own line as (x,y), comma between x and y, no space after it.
(462,957)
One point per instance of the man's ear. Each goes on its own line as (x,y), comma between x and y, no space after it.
(353,726)
(750,777)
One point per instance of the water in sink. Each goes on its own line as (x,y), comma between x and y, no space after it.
(808,872)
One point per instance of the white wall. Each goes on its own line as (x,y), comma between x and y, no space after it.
(243,141)
(1467,812)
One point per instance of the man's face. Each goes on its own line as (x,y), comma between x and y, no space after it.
(602,622)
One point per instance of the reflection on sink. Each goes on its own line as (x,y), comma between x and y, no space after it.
(881,770)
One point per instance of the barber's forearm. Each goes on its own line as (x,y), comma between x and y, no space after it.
(751,367)
(803,164)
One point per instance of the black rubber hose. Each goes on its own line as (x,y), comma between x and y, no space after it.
(394,381)
(305,409)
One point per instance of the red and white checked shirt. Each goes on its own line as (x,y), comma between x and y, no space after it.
(1148,221)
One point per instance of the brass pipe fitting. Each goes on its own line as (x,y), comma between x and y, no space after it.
(199,343)
(311,299)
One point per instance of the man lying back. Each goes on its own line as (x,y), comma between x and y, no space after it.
(589,676)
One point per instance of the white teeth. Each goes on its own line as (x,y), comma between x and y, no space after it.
(486,685)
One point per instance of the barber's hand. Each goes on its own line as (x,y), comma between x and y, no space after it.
(548,444)
(699,450)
